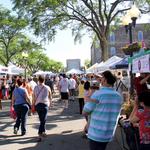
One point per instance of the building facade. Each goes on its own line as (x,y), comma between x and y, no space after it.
(73,64)
(119,38)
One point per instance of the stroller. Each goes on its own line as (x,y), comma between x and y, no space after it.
(132,134)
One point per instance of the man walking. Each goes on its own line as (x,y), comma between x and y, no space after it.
(104,107)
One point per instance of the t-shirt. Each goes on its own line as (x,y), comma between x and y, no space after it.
(64,84)
(41,93)
(19,95)
(81,91)
(144,125)
(72,83)
(104,114)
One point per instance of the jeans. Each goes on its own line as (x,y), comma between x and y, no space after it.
(22,113)
(42,110)
(97,145)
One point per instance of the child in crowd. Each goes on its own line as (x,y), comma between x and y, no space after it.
(93,87)
(143,117)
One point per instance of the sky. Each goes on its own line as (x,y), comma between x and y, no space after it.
(64,47)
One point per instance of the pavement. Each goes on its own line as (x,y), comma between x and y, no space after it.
(64,130)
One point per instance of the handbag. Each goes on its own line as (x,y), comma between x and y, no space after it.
(12,113)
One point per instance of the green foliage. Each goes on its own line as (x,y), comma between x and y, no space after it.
(87,63)
(37,60)
(11,37)
(82,16)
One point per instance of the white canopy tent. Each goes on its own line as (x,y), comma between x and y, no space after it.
(74,71)
(15,70)
(92,68)
(106,65)
(44,73)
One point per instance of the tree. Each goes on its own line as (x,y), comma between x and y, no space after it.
(37,60)
(12,41)
(144,6)
(87,63)
(82,16)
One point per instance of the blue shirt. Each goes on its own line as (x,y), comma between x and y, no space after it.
(105,114)
(19,95)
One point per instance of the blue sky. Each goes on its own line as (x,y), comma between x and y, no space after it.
(63,47)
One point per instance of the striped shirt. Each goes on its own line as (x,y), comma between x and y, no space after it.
(105,114)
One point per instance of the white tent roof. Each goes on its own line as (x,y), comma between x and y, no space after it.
(108,63)
(92,68)
(44,73)
(74,71)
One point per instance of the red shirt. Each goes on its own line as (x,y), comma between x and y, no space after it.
(144,125)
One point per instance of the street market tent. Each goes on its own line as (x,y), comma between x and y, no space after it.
(106,65)
(74,71)
(123,64)
(44,73)
(13,69)
(92,68)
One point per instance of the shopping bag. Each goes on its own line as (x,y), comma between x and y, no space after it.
(12,112)
(33,109)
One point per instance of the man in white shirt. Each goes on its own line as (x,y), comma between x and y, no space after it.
(63,88)
(72,87)
(32,83)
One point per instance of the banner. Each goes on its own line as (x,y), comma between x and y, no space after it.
(141,64)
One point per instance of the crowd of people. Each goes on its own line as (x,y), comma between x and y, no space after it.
(100,102)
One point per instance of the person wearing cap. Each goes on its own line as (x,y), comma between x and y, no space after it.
(104,106)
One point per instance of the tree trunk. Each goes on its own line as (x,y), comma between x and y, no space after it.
(104,50)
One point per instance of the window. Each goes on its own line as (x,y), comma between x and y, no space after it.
(112,51)
(112,38)
(140,36)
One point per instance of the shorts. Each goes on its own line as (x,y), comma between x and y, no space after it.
(64,95)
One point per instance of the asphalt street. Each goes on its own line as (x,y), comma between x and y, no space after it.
(64,130)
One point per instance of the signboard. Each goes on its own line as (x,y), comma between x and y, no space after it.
(141,64)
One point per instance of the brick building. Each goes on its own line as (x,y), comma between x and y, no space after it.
(118,38)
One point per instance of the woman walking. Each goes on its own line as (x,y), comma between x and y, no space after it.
(42,101)
(21,102)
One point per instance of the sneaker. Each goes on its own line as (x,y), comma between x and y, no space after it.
(15,130)
(39,139)
(23,133)
(44,134)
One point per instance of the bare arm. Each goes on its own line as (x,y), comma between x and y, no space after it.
(134,119)
(145,79)
(12,100)
(50,97)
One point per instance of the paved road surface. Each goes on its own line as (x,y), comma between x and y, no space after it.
(64,129)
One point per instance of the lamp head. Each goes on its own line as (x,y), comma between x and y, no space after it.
(134,14)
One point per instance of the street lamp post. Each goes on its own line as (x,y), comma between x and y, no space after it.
(25,55)
(129,21)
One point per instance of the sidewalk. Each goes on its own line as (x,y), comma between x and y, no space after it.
(64,129)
